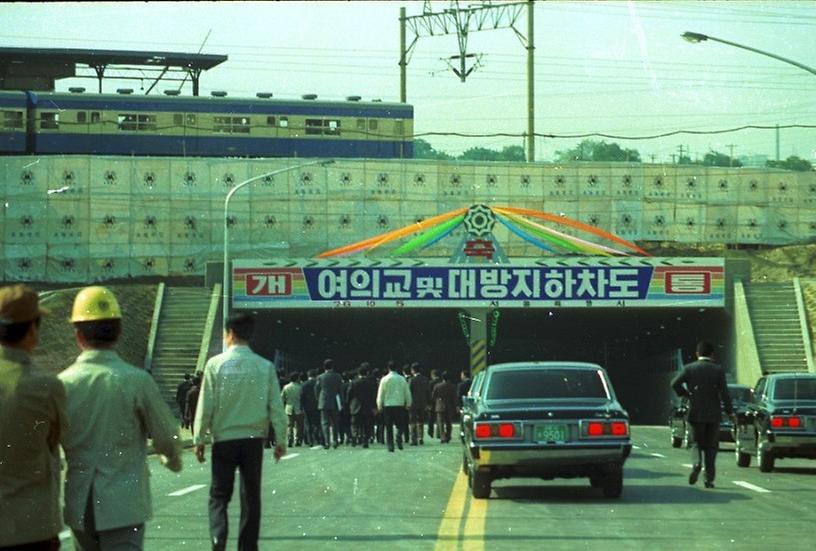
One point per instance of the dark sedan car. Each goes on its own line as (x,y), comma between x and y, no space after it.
(681,430)
(779,422)
(544,420)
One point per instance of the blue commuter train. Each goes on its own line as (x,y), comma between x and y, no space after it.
(120,124)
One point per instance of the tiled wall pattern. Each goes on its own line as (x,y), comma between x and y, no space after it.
(84,218)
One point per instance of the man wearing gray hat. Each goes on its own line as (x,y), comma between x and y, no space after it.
(32,420)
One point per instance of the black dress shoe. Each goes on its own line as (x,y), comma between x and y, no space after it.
(399,445)
(391,449)
(709,484)
(695,474)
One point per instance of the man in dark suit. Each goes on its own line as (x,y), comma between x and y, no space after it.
(703,383)
(420,394)
(362,399)
(444,399)
(308,402)
(328,389)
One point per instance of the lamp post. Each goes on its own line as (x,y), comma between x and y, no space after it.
(699,37)
(227,279)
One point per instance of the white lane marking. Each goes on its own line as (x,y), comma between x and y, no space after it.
(64,535)
(634,447)
(660,455)
(750,486)
(187,490)
(316,448)
(290,456)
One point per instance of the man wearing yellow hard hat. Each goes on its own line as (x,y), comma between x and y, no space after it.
(112,407)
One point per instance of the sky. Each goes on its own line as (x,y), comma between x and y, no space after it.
(618,68)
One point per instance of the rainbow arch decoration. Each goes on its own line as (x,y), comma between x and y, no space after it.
(533,226)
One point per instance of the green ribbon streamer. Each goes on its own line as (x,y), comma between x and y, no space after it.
(426,237)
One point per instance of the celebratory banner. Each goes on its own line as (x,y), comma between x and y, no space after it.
(578,282)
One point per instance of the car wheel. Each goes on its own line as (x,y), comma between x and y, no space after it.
(765,459)
(676,441)
(612,484)
(480,484)
(743,459)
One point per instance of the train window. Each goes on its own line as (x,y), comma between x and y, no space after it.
(178,119)
(222,124)
(314,126)
(13,119)
(95,116)
(332,127)
(191,119)
(399,128)
(361,124)
(49,120)
(372,124)
(283,122)
(128,121)
(82,117)
(229,125)
(270,121)
(241,125)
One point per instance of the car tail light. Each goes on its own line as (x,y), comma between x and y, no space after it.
(497,430)
(507,430)
(620,428)
(483,431)
(786,421)
(605,429)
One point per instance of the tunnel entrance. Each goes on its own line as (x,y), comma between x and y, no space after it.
(637,346)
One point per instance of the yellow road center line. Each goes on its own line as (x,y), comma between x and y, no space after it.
(447,538)
(475,526)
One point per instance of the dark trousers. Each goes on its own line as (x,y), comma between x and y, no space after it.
(46,545)
(314,435)
(394,415)
(444,421)
(706,442)
(362,424)
(329,419)
(417,420)
(247,456)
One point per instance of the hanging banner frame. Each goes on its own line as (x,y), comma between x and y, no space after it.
(579,282)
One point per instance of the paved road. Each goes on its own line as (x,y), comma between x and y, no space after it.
(417,499)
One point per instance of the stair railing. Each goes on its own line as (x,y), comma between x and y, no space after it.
(154,328)
(803,323)
(206,337)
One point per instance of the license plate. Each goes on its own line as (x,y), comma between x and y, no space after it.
(551,433)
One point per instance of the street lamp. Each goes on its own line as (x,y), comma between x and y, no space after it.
(227,279)
(696,38)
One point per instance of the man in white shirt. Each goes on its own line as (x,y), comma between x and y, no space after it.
(394,400)
(240,397)
(291,402)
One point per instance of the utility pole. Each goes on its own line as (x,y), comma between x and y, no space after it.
(680,156)
(652,158)
(463,21)
(777,142)
(731,154)
(674,157)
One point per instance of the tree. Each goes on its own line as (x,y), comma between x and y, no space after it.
(791,163)
(715,158)
(591,150)
(479,154)
(424,150)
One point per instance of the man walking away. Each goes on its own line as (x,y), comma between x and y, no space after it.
(703,382)
(419,403)
(432,382)
(327,390)
(191,403)
(394,400)
(308,402)
(181,399)
(32,420)
(362,398)
(291,403)
(112,407)
(240,397)
(444,400)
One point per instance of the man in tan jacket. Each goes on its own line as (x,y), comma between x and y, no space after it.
(112,406)
(32,418)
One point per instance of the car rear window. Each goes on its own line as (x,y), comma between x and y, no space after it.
(795,389)
(551,383)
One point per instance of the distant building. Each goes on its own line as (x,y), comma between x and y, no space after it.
(753,160)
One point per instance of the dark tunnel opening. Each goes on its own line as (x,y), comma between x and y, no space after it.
(634,345)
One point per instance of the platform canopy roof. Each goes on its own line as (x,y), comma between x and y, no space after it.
(25,65)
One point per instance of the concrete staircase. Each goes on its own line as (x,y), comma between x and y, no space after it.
(774,311)
(185,315)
